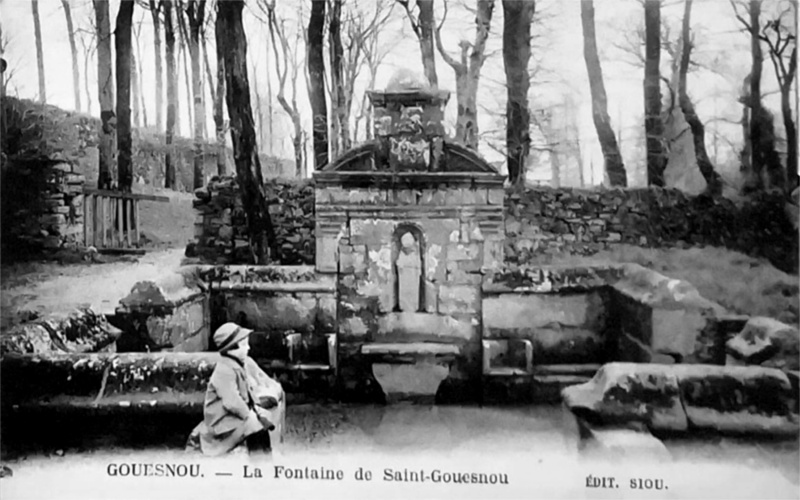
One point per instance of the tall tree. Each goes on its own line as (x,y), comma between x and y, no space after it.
(468,72)
(172,93)
(138,78)
(653,122)
(231,38)
(76,78)
(713,180)
(608,141)
(105,91)
(423,26)
(135,97)
(781,40)
(766,170)
(339,128)
(517,18)
(196,14)
(316,76)
(86,47)
(155,12)
(122,45)
(183,33)
(219,118)
(286,65)
(37,31)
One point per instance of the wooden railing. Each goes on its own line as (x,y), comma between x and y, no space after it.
(111,218)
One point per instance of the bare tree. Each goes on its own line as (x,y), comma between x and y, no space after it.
(287,65)
(765,166)
(608,142)
(219,118)
(517,19)
(195,12)
(76,79)
(105,91)
(468,72)
(231,38)
(713,180)
(183,33)
(86,47)
(423,25)
(653,122)
(37,30)
(172,93)
(155,12)
(338,128)
(122,45)
(138,79)
(778,35)
(316,76)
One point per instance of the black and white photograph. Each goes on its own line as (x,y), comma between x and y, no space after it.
(428,249)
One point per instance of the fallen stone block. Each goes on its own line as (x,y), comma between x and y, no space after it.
(740,400)
(83,331)
(767,342)
(625,393)
(687,398)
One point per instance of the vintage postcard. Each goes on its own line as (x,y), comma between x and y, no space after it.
(399,249)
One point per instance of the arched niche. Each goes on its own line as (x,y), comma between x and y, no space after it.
(408,259)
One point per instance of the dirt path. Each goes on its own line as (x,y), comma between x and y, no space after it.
(54,290)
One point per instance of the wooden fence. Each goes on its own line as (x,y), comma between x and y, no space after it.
(112,218)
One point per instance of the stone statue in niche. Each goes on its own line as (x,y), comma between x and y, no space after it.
(409,269)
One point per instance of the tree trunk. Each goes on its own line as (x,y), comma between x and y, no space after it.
(219,119)
(122,45)
(196,13)
(756,180)
(105,91)
(231,39)
(653,123)
(184,42)
(172,94)
(87,88)
(713,180)
(336,138)
(155,12)
(789,125)
(767,171)
(209,75)
(140,80)
(135,99)
(608,143)
(37,30)
(517,18)
(468,72)
(426,27)
(76,78)
(316,74)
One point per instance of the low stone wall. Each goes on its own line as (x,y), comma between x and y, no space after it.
(221,224)
(47,131)
(42,206)
(542,221)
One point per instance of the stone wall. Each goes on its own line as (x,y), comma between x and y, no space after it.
(221,223)
(44,200)
(544,221)
(35,130)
